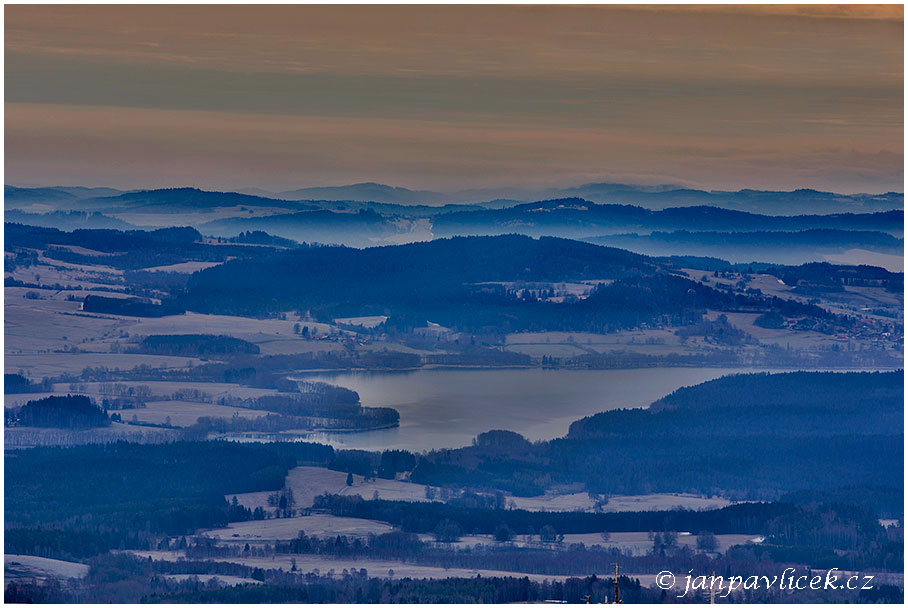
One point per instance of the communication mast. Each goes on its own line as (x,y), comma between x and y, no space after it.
(617,597)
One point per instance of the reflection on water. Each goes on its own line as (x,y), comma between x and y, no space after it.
(447,408)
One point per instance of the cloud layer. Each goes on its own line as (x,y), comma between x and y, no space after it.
(455,96)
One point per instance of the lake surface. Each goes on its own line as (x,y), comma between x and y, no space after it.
(447,408)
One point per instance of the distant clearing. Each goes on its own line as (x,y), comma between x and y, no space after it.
(185,413)
(55,364)
(309,482)
(88,277)
(374,567)
(35,326)
(31,566)
(183,267)
(269,530)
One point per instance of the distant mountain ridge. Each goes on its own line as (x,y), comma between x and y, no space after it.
(579,218)
(168,199)
(654,197)
(796,202)
(186,198)
(368,192)
(358,224)
(12,194)
(780,247)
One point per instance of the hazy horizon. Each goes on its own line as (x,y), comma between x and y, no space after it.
(456,97)
(453,191)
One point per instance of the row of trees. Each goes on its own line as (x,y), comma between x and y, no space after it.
(66,412)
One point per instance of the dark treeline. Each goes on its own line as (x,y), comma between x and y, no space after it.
(494,590)
(258,237)
(373,464)
(130,307)
(886,502)
(192,345)
(818,535)
(364,419)
(17,383)
(424,517)
(750,436)
(75,502)
(479,357)
(316,405)
(63,412)
(313,399)
(106,241)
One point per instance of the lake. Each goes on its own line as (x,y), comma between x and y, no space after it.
(447,408)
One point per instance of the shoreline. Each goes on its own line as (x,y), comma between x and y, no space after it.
(770,368)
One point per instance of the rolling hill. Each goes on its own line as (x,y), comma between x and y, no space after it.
(467,283)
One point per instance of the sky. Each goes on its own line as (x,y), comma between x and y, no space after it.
(455,97)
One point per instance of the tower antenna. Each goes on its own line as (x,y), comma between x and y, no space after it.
(617,597)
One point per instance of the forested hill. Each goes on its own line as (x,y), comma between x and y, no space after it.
(188,199)
(843,397)
(814,238)
(466,283)
(576,217)
(131,249)
(104,240)
(751,435)
(65,220)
